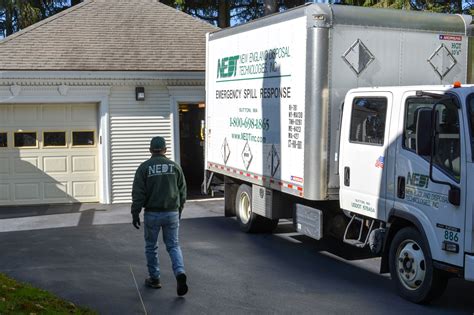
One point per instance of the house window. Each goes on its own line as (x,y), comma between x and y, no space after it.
(25,139)
(83,138)
(3,140)
(54,138)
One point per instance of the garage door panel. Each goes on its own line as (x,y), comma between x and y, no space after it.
(4,166)
(82,113)
(55,190)
(84,189)
(56,164)
(4,114)
(49,172)
(4,192)
(84,164)
(25,113)
(27,191)
(53,113)
(27,165)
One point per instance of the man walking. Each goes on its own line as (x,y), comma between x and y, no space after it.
(159,187)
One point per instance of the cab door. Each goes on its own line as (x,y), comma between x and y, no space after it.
(417,194)
(364,143)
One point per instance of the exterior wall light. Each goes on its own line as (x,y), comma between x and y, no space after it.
(140,93)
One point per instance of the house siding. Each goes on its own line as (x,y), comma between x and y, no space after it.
(125,126)
(132,125)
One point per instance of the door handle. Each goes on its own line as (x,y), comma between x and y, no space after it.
(347,176)
(401,187)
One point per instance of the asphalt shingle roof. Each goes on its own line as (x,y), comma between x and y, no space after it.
(110,35)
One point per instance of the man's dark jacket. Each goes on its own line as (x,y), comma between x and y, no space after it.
(159,186)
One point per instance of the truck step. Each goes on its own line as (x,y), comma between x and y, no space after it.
(363,236)
(355,243)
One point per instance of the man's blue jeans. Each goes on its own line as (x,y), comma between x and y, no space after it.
(169,222)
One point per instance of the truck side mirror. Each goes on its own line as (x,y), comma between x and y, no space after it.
(454,196)
(423,131)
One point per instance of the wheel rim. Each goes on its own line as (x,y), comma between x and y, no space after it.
(245,209)
(411,265)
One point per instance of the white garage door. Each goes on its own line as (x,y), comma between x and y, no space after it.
(48,153)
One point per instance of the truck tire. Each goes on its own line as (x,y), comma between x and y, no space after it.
(250,222)
(411,267)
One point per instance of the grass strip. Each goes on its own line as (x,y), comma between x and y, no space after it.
(21,298)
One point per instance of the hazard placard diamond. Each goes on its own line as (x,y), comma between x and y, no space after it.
(358,57)
(274,160)
(247,155)
(442,61)
(225,151)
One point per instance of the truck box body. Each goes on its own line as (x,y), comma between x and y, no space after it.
(275,87)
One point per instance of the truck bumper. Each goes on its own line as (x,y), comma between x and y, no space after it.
(469,267)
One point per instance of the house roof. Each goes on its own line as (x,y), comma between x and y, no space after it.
(110,35)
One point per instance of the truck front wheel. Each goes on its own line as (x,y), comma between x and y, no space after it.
(249,221)
(411,267)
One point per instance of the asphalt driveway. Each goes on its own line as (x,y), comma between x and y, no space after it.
(87,254)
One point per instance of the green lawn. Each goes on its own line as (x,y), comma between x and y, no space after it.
(21,298)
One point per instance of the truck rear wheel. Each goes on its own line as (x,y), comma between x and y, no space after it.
(250,222)
(411,267)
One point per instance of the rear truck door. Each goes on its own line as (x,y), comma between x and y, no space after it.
(364,142)
(420,197)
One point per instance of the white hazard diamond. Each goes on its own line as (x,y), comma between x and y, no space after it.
(274,160)
(225,150)
(442,61)
(247,155)
(358,57)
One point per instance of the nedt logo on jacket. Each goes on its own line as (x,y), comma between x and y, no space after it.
(160,169)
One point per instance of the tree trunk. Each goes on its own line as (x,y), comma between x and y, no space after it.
(270,6)
(457,6)
(9,28)
(223,19)
(42,5)
(294,3)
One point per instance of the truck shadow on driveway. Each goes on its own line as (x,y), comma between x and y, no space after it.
(328,244)
(342,268)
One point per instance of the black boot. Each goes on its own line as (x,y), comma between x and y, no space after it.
(182,286)
(153,283)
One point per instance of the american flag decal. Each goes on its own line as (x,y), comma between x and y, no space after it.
(379,162)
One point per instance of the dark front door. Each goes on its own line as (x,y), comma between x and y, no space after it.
(191,123)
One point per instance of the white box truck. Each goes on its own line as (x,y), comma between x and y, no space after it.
(387,167)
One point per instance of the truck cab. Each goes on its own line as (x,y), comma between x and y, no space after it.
(406,161)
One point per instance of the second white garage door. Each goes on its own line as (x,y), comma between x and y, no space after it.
(48,153)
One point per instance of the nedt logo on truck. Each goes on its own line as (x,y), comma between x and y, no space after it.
(418,180)
(227,67)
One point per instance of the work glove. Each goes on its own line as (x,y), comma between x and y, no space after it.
(136,221)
